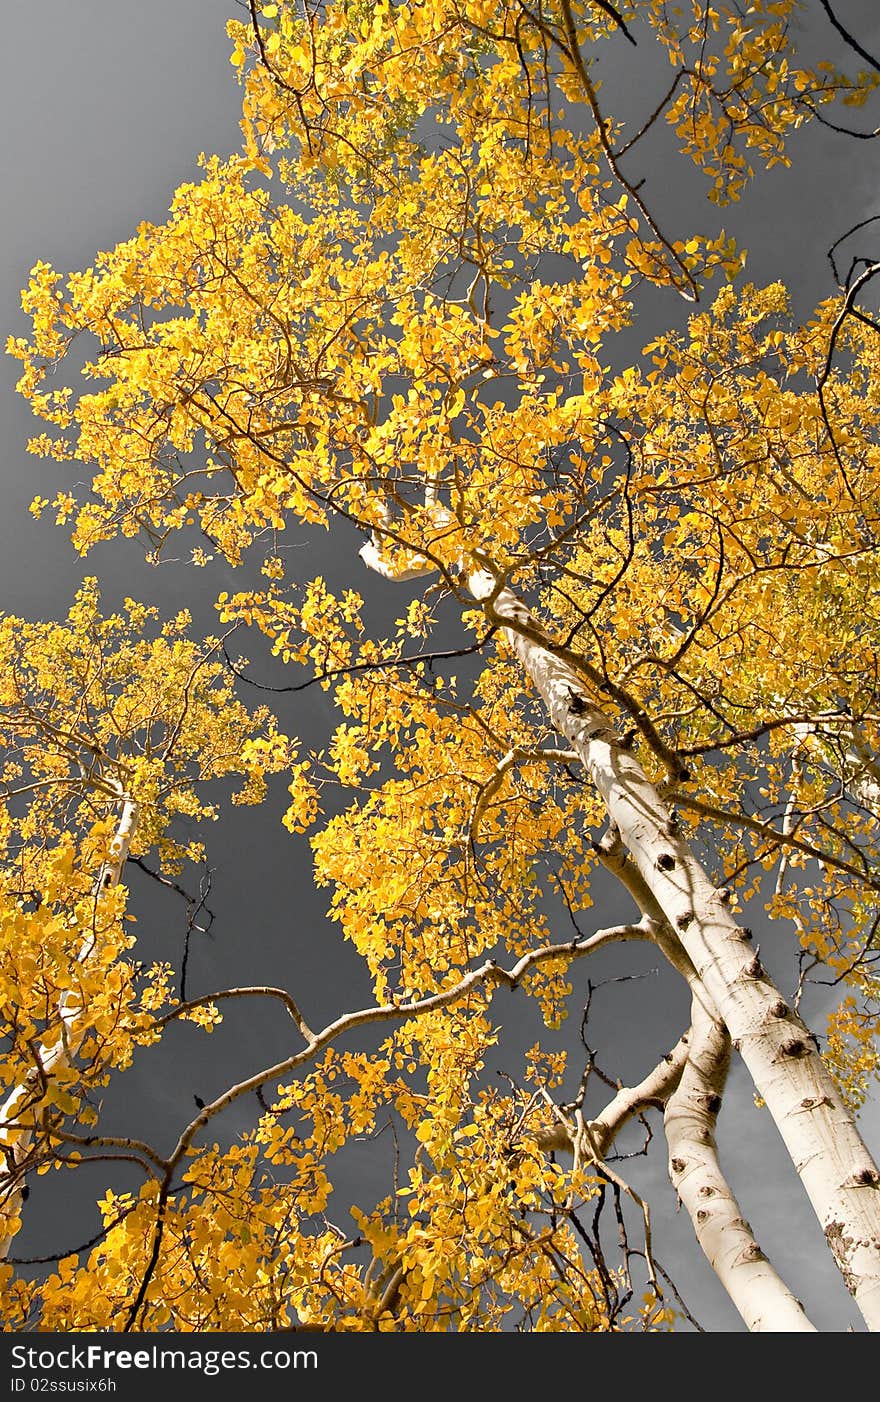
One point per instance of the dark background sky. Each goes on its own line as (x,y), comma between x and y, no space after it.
(105,105)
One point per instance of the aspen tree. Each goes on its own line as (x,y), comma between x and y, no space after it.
(389,317)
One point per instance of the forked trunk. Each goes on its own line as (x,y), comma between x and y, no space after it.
(818,1129)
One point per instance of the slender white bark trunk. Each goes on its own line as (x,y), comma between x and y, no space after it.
(820,1134)
(762,1298)
(20,1113)
(691,1105)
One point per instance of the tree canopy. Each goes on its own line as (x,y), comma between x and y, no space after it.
(634,633)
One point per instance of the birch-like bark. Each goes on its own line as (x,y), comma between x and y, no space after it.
(630,1101)
(20,1113)
(821,1136)
(691,1103)
(759,1294)
(691,1100)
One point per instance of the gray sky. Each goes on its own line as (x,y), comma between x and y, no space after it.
(105,106)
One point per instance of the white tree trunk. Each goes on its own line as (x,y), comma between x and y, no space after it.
(691,1102)
(762,1298)
(19,1114)
(820,1134)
